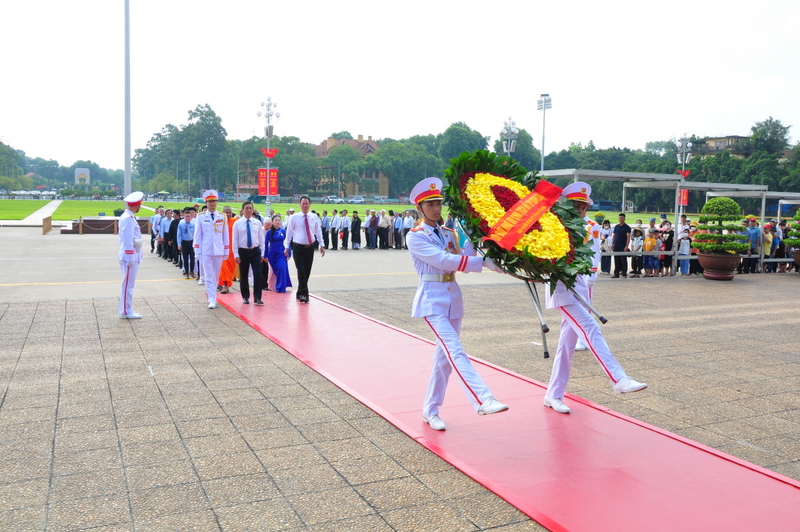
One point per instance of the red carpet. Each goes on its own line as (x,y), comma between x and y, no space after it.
(591,470)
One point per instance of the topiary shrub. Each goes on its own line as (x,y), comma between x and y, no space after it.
(715,213)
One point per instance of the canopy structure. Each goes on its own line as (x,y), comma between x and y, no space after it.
(784,198)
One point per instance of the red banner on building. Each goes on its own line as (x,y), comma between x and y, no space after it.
(683,197)
(273,182)
(262,181)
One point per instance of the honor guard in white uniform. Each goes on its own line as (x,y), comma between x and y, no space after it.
(437,257)
(577,321)
(130,253)
(211,242)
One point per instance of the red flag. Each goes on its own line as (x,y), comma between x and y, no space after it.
(684,173)
(269,154)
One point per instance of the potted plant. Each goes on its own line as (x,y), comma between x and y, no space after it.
(718,252)
(599,217)
(792,238)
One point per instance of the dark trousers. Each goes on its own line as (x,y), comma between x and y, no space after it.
(383,237)
(250,258)
(620,265)
(373,233)
(334,239)
(751,262)
(405,235)
(303,260)
(345,236)
(187,250)
(325,237)
(152,241)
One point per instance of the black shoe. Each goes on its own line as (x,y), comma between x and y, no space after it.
(615,277)
(247,301)
(303,299)
(259,302)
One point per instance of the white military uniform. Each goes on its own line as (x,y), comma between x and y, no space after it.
(211,242)
(578,322)
(438,300)
(130,256)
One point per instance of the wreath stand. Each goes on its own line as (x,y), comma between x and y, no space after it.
(531,286)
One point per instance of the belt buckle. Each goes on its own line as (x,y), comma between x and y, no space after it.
(448,277)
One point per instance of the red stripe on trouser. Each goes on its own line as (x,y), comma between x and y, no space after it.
(452,362)
(125,291)
(588,343)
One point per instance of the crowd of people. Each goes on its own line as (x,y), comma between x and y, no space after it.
(766,242)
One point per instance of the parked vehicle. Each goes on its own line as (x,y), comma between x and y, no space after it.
(332,199)
(356,200)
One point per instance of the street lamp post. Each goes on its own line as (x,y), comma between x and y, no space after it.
(684,156)
(543,104)
(509,133)
(268,112)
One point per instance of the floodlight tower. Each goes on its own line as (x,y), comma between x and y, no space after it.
(543,104)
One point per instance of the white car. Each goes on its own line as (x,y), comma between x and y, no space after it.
(356,200)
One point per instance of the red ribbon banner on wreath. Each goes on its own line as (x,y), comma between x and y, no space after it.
(521,217)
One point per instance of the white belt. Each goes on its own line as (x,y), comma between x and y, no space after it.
(438,278)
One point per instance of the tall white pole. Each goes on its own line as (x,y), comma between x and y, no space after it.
(127,182)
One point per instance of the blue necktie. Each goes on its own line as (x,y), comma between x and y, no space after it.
(249,238)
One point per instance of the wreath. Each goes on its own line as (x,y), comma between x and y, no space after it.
(484,191)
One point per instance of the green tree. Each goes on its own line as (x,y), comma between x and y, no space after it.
(403,164)
(458,138)
(342,135)
(343,162)
(203,142)
(770,136)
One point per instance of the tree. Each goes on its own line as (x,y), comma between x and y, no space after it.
(343,161)
(525,153)
(404,164)
(459,138)
(770,136)
(342,135)
(203,142)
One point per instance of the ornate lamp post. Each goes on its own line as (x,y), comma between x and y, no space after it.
(268,112)
(684,156)
(509,133)
(543,104)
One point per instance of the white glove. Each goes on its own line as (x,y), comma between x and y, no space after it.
(492,265)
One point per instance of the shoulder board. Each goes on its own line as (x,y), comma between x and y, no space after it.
(418,228)
(447,229)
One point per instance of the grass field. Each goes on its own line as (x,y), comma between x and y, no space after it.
(19,209)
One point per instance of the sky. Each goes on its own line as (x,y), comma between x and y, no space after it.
(620,73)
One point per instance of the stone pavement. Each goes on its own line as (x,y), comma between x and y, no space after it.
(189,419)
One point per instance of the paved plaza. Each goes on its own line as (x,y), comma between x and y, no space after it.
(188,419)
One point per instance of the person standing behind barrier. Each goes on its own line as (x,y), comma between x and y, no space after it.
(651,262)
(344,228)
(186,243)
(408,224)
(275,238)
(373,231)
(211,241)
(605,246)
(248,252)
(684,249)
(753,234)
(766,244)
(384,223)
(577,322)
(667,242)
(637,243)
(621,241)
(355,230)
(326,227)
(304,234)
(130,253)
(437,256)
(154,221)
(336,221)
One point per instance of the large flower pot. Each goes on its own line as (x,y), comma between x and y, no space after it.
(718,267)
(796,256)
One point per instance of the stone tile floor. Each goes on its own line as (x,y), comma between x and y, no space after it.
(190,420)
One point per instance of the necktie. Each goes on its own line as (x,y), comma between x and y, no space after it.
(249,237)
(436,230)
(212,215)
(308,229)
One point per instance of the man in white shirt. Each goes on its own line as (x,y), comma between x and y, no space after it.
(248,252)
(303,234)
(335,222)
(344,227)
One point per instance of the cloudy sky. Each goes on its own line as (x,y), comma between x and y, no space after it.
(620,73)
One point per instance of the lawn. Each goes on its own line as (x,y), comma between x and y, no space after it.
(11,209)
(74,209)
